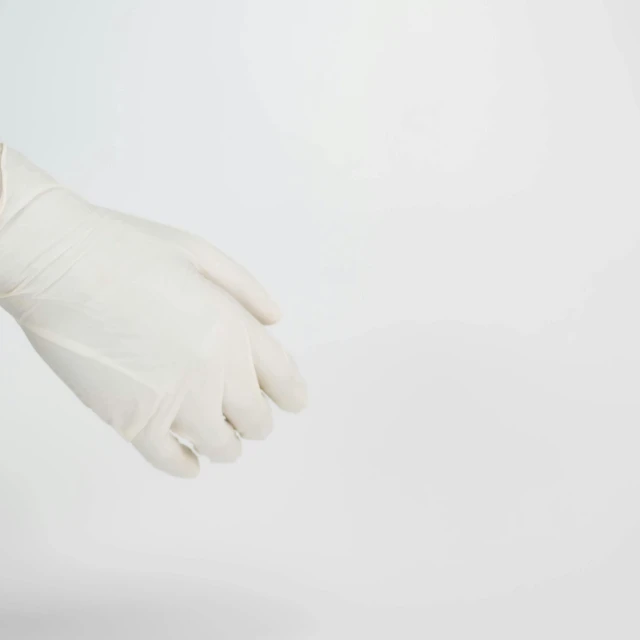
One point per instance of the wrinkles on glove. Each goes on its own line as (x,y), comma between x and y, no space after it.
(153,329)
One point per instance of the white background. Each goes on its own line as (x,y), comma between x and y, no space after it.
(444,197)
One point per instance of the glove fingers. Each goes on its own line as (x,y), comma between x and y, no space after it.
(223,271)
(200,421)
(275,370)
(277,373)
(160,447)
(168,455)
(215,265)
(243,402)
(211,437)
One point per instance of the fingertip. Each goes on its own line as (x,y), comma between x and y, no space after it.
(270,312)
(168,455)
(297,396)
(191,469)
(183,463)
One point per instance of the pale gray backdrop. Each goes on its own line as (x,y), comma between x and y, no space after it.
(444,196)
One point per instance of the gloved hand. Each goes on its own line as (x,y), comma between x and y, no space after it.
(156,331)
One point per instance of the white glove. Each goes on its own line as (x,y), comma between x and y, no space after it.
(152,328)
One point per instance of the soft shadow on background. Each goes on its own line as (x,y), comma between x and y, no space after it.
(450,478)
(102,606)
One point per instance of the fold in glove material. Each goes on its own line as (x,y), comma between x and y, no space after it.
(133,316)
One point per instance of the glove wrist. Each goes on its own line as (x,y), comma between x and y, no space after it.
(21,182)
(41,224)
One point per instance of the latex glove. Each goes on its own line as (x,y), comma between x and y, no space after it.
(153,329)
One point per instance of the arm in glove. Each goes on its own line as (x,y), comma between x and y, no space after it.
(151,327)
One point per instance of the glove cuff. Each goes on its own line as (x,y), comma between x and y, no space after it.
(21,182)
(40,221)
